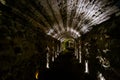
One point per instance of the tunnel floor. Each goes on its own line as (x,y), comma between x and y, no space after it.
(66,66)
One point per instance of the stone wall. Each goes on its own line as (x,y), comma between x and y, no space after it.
(104,40)
(22,45)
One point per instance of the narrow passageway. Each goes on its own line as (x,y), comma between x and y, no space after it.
(65,67)
(59,39)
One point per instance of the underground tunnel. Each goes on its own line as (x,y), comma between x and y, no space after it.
(59,39)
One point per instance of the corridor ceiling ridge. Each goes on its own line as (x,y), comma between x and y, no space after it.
(75,17)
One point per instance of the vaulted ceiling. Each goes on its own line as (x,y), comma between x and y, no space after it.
(64,18)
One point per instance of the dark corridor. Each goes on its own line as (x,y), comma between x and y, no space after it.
(66,66)
(59,39)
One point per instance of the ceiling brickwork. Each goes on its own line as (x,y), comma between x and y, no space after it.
(57,17)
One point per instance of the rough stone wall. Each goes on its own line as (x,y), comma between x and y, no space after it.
(22,46)
(104,40)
